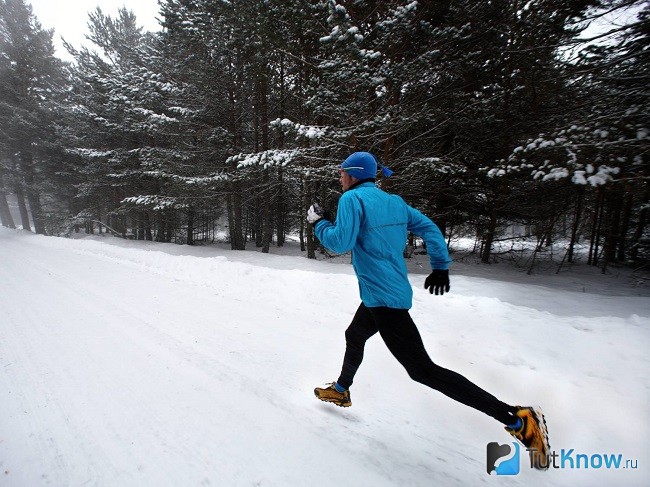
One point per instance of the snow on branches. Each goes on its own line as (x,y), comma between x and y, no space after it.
(266,159)
(585,155)
(155,202)
(435,166)
(299,130)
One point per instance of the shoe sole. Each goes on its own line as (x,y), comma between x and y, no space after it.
(541,422)
(334,401)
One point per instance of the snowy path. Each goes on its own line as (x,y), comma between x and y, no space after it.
(135,367)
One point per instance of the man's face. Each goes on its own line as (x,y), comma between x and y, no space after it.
(346,180)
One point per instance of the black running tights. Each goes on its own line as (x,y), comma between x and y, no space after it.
(403,340)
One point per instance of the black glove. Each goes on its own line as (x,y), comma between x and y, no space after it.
(437,281)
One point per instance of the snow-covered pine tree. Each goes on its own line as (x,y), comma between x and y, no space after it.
(241,58)
(137,136)
(202,38)
(598,149)
(436,90)
(502,82)
(101,139)
(29,75)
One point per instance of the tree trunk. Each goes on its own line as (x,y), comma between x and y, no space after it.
(389,141)
(612,227)
(576,225)
(593,241)
(443,205)
(147,227)
(259,218)
(599,226)
(37,211)
(190,227)
(489,238)
(160,227)
(640,227)
(548,241)
(169,229)
(33,197)
(280,215)
(5,213)
(301,216)
(628,200)
(236,212)
(238,218)
(266,213)
(280,211)
(311,244)
(264,122)
(22,208)
(139,222)
(118,222)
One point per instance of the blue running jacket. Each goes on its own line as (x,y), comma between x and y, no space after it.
(374,225)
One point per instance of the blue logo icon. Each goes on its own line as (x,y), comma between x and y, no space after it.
(507,458)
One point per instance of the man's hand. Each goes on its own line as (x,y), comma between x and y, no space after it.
(437,281)
(314,213)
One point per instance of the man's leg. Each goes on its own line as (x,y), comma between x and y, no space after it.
(361,328)
(404,341)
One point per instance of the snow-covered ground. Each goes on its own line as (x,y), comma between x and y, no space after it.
(142,364)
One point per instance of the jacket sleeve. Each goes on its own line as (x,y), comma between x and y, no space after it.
(340,237)
(428,231)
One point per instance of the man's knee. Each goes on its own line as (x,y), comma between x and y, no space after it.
(418,373)
(353,337)
(423,371)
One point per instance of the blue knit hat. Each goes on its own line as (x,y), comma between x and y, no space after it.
(363,165)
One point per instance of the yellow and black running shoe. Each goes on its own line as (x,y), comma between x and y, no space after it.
(534,436)
(330,394)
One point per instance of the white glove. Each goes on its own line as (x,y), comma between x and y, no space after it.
(314,213)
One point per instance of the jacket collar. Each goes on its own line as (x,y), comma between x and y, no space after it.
(360,182)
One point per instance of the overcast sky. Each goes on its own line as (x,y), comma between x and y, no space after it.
(69,18)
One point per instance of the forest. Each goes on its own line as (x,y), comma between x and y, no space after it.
(501,119)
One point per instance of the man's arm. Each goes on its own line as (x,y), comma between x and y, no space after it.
(341,236)
(428,231)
